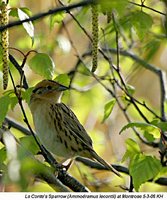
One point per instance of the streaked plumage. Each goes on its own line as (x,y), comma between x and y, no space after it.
(57,126)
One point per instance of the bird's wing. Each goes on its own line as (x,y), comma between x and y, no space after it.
(74,125)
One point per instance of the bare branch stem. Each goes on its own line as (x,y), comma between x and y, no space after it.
(50,12)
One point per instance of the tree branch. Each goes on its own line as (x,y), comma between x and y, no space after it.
(50,12)
(55,183)
(88,53)
(12,123)
(88,162)
(96,165)
(66,179)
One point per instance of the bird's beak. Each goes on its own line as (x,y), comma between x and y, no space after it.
(62,88)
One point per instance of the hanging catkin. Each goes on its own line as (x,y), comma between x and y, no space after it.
(94,37)
(5,44)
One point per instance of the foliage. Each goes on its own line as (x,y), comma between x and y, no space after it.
(42,64)
(108,109)
(147,129)
(141,167)
(119,95)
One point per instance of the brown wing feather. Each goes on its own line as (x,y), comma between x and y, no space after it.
(75,126)
(78,130)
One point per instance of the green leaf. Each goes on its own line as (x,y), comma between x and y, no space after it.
(151,129)
(119,5)
(27,142)
(143,168)
(108,109)
(132,148)
(13,102)
(43,65)
(142,22)
(12,97)
(149,137)
(84,70)
(26,94)
(3,157)
(56,18)
(4,106)
(31,168)
(26,10)
(162,126)
(131,89)
(63,79)
(162,172)
(13,12)
(27,25)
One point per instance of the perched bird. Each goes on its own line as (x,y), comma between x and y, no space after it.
(57,126)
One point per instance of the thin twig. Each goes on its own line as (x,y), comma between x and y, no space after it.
(149,67)
(162,77)
(78,23)
(20,70)
(98,79)
(133,56)
(160,73)
(144,6)
(122,81)
(116,39)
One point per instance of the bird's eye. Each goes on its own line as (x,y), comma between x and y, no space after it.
(49,87)
(37,90)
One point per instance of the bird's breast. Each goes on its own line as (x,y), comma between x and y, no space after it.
(46,128)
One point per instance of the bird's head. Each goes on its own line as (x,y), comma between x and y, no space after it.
(47,90)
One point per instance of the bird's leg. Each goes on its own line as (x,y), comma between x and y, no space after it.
(65,164)
(69,164)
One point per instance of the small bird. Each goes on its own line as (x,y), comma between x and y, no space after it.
(57,127)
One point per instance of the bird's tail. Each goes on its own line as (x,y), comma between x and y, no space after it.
(104,163)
